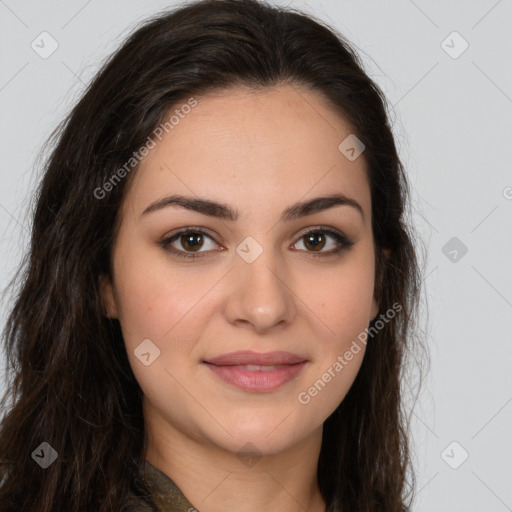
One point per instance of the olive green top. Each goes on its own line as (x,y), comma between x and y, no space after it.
(165,492)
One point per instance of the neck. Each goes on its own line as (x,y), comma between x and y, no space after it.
(215,480)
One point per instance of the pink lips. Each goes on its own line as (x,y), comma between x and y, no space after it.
(244,369)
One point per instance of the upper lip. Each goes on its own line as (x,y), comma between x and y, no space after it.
(248,357)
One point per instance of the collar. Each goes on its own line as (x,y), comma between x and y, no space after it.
(166,493)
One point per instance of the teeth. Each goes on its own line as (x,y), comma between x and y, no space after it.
(255,367)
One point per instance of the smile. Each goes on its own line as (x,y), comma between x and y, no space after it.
(257,378)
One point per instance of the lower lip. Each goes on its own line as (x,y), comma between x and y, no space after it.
(257,380)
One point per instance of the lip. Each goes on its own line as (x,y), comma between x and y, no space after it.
(243,369)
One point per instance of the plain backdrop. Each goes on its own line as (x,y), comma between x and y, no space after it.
(446,68)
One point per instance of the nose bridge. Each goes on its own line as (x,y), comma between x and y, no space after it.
(260,294)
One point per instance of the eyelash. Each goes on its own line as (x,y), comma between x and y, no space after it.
(344,242)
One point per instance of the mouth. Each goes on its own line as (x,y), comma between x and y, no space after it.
(255,372)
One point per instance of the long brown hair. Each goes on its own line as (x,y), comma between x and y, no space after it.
(71,384)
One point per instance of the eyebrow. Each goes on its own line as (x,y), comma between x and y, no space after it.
(226,212)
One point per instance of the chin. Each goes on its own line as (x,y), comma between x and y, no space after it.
(268,436)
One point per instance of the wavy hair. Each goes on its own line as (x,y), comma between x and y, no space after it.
(69,380)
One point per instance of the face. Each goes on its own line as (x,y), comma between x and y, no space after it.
(235,268)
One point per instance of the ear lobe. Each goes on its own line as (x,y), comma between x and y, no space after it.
(108,302)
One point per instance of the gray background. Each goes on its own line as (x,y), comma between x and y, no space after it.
(452,117)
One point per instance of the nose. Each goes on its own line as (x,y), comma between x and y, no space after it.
(260,295)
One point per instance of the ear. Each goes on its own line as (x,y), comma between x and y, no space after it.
(376,300)
(108,300)
(375,309)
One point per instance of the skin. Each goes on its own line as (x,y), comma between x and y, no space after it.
(259,152)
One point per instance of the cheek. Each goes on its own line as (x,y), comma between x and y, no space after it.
(343,301)
(167,306)
(157,316)
(344,309)
(144,307)
(151,299)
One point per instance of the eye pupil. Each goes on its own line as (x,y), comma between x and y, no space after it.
(187,241)
(310,239)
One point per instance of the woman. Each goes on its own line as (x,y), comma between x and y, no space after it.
(219,294)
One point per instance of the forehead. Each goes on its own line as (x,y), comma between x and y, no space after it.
(245,146)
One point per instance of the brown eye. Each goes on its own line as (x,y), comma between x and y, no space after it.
(191,241)
(317,239)
(314,241)
(187,243)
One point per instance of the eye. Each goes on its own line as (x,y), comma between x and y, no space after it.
(316,239)
(190,239)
